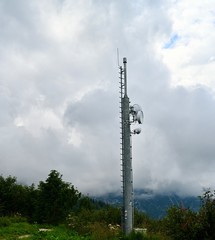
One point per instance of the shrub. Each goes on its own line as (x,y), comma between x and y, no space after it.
(134,236)
(5,221)
(184,224)
(181,223)
(100,231)
(207,215)
(56,199)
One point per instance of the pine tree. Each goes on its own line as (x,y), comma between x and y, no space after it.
(56,199)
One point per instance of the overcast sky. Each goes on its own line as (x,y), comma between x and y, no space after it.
(59,94)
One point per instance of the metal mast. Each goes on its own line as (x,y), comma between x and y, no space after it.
(126,158)
(128,114)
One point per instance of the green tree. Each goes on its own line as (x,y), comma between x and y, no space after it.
(184,224)
(56,199)
(207,215)
(31,203)
(181,224)
(8,192)
(16,198)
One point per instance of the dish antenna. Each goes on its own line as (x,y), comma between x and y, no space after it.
(137,131)
(137,113)
(129,115)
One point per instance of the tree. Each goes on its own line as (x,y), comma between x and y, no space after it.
(207,215)
(16,198)
(184,224)
(8,193)
(181,223)
(56,199)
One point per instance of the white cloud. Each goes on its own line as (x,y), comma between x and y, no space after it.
(37,120)
(59,91)
(189,60)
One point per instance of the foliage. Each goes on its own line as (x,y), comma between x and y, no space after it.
(181,223)
(7,221)
(101,231)
(56,202)
(95,218)
(134,236)
(8,192)
(18,229)
(142,220)
(88,203)
(16,199)
(50,203)
(140,236)
(185,224)
(56,199)
(207,215)
(59,233)
(12,227)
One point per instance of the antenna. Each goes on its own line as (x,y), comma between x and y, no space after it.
(127,112)
(117,53)
(125,75)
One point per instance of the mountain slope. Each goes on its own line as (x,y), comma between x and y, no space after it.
(154,205)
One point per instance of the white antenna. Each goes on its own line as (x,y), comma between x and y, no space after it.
(117,52)
(136,113)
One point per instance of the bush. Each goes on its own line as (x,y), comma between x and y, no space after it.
(56,199)
(5,221)
(207,215)
(184,224)
(100,231)
(135,236)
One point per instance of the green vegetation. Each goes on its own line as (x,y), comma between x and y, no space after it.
(50,203)
(56,210)
(185,224)
(17,228)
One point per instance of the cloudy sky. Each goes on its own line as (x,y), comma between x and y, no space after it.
(59,94)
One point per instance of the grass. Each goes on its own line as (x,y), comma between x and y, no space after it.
(16,228)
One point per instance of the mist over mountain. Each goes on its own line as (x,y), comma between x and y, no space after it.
(154,205)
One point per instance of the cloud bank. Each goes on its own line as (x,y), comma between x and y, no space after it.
(59,92)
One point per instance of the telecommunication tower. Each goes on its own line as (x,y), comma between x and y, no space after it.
(128,115)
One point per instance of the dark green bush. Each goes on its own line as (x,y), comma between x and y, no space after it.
(206,216)
(184,224)
(5,221)
(134,236)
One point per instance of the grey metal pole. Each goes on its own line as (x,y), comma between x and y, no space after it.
(127,210)
(128,193)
